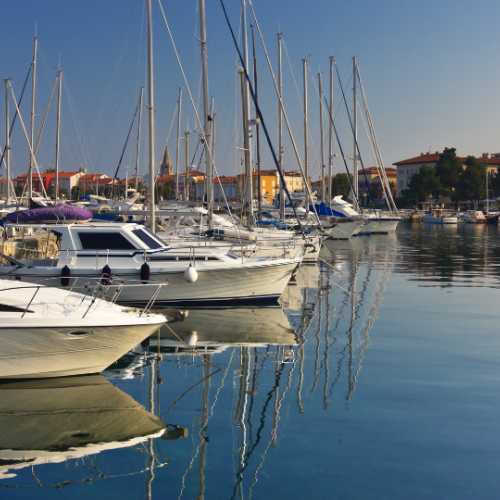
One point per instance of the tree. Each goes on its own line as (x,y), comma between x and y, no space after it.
(76,192)
(50,170)
(63,193)
(471,185)
(341,185)
(449,168)
(494,182)
(423,184)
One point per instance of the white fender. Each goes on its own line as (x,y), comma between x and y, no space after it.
(190,274)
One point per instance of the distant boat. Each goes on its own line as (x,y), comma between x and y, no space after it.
(437,218)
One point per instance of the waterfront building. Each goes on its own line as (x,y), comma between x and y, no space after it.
(406,168)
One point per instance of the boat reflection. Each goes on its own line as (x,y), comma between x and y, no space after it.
(55,420)
(211,331)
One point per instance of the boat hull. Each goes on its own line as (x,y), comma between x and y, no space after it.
(380,226)
(343,230)
(246,284)
(60,352)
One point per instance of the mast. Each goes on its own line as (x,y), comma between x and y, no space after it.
(323,197)
(178,145)
(207,125)
(32,130)
(355,128)
(186,187)
(257,128)
(280,131)
(306,136)
(248,135)
(151,119)
(330,133)
(7,139)
(57,132)
(212,138)
(137,148)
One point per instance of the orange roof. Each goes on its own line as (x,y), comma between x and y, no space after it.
(373,170)
(432,158)
(90,176)
(35,174)
(67,174)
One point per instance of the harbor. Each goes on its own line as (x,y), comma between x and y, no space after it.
(383,367)
(232,275)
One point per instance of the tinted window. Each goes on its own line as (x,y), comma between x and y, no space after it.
(149,238)
(104,241)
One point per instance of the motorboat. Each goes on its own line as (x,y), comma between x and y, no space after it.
(61,419)
(134,257)
(48,332)
(437,217)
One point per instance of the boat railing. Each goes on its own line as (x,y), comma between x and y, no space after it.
(96,293)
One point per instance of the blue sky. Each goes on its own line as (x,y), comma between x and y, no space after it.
(430,71)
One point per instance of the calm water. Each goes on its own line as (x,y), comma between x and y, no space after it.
(379,377)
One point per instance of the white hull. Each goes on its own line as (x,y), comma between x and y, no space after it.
(439,220)
(231,284)
(343,230)
(380,226)
(61,352)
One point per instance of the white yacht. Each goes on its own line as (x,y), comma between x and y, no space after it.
(374,223)
(436,217)
(132,255)
(48,332)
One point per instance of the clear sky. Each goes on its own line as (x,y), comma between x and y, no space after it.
(430,70)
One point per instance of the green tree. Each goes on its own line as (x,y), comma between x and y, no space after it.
(50,170)
(471,185)
(76,192)
(63,193)
(494,183)
(341,185)
(449,169)
(423,184)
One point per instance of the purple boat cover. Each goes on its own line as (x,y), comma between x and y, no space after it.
(61,213)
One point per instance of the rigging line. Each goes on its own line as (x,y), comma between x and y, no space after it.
(264,127)
(342,152)
(15,115)
(107,74)
(375,142)
(168,136)
(282,178)
(202,131)
(78,127)
(126,140)
(356,143)
(46,113)
(26,136)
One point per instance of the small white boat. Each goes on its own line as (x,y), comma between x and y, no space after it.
(437,218)
(47,332)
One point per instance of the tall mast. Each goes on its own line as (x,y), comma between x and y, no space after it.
(32,129)
(257,128)
(151,119)
(280,131)
(355,128)
(212,138)
(306,136)
(186,186)
(330,122)
(248,135)
(57,133)
(207,125)
(323,197)
(178,145)
(7,139)
(138,145)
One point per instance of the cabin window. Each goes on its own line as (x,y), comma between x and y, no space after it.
(149,238)
(104,241)
(7,308)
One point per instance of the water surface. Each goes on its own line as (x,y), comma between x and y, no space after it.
(377,377)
